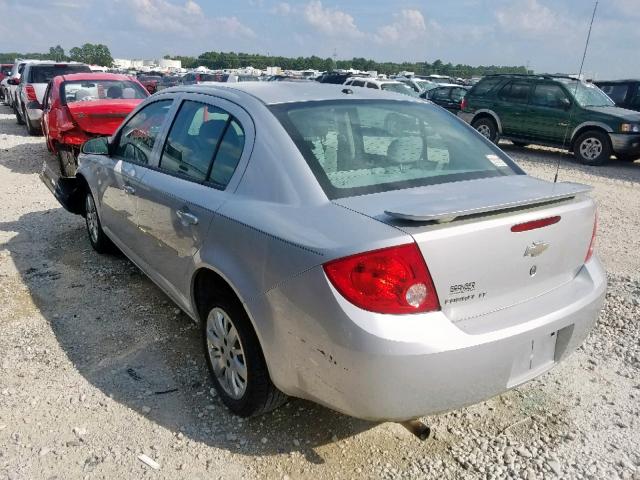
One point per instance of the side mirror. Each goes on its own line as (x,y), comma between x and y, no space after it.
(13,81)
(96,146)
(565,103)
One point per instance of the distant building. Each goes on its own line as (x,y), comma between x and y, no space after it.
(167,64)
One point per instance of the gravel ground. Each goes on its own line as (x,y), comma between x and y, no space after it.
(97,368)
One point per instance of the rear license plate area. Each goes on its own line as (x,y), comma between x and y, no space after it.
(534,357)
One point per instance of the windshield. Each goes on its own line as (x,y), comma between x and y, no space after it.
(399,88)
(86,91)
(356,147)
(588,95)
(425,86)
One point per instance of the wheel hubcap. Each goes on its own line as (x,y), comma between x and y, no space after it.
(484,130)
(591,148)
(92,218)
(226,353)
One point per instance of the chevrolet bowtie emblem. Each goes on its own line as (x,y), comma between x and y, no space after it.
(535,249)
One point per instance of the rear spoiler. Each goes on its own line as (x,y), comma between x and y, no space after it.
(484,197)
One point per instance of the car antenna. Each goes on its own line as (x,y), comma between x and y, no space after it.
(584,55)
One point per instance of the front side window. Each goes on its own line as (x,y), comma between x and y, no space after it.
(357,147)
(549,95)
(89,90)
(358,83)
(138,136)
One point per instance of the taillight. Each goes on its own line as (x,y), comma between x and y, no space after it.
(30,92)
(463,103)
(593,240)
(393,280)
(65,120)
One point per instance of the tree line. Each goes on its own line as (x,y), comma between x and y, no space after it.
(99,54)
(92,54)
(223,60)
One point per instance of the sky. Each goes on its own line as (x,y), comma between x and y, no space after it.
(548,35)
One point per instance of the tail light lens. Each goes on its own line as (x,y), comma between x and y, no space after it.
(393,280)
(30,92)
(463,103)
(65,120)
(535,224)
(592,243)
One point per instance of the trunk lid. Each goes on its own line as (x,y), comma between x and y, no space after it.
(101,117)
(477,263)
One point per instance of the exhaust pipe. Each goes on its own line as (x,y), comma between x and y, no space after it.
(418,428)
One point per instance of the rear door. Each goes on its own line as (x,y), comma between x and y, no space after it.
(512,107)
(134,149)
(194,178)
(550,113)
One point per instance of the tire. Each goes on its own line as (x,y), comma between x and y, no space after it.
(68,161)
(228,324)
(19,119)
(520,144)
(30,130)
(98,239)
(592,148)
(487,128)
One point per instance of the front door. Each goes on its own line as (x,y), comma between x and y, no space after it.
(196,165)
(550,114)
(132,153)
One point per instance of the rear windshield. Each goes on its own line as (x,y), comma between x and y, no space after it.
(485,85)
(44,73)
(356,147)
(213,77)
(86,91)
(616,91)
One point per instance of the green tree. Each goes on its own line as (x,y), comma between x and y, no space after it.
(57,53)
(89,53)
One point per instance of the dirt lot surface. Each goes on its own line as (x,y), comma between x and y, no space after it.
(98,367)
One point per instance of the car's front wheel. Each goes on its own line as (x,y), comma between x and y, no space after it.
(592,148)
(98,239)
(487,128)
(236,362)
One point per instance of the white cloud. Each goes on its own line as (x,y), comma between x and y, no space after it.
(408,25)
(529,18)
(282,8)
(331,21)
(187,20)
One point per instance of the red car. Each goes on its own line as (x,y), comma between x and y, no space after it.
(81,106)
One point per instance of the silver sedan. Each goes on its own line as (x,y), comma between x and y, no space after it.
(361,249)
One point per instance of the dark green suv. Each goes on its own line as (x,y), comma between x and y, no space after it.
(555,111)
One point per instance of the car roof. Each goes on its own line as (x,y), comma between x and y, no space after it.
(72,77)
(271,93)
(617,81)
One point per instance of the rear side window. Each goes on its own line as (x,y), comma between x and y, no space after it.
(485,85)
(204,144)
(372,85)
(138,136)
(357,83)
(516,92)
(549,95)
(617,92)
(440,94)
(45,73)
(457,94)
(356,147)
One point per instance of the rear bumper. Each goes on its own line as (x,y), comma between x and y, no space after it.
(466,116)
(625,144)
(34,113)
(383,367)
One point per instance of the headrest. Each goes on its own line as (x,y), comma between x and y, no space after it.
(405,150)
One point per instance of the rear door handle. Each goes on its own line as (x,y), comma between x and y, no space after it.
(129,190)
(187,218)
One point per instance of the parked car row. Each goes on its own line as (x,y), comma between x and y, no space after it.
(332,241)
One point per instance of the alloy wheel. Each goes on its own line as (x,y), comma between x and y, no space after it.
(226,353)
(591,148)
(92,218)
(485,131)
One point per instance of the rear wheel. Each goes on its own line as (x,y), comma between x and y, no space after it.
(19,119)
(592,148)
(487,128)
(99,240)
(235,359)
(68,161)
